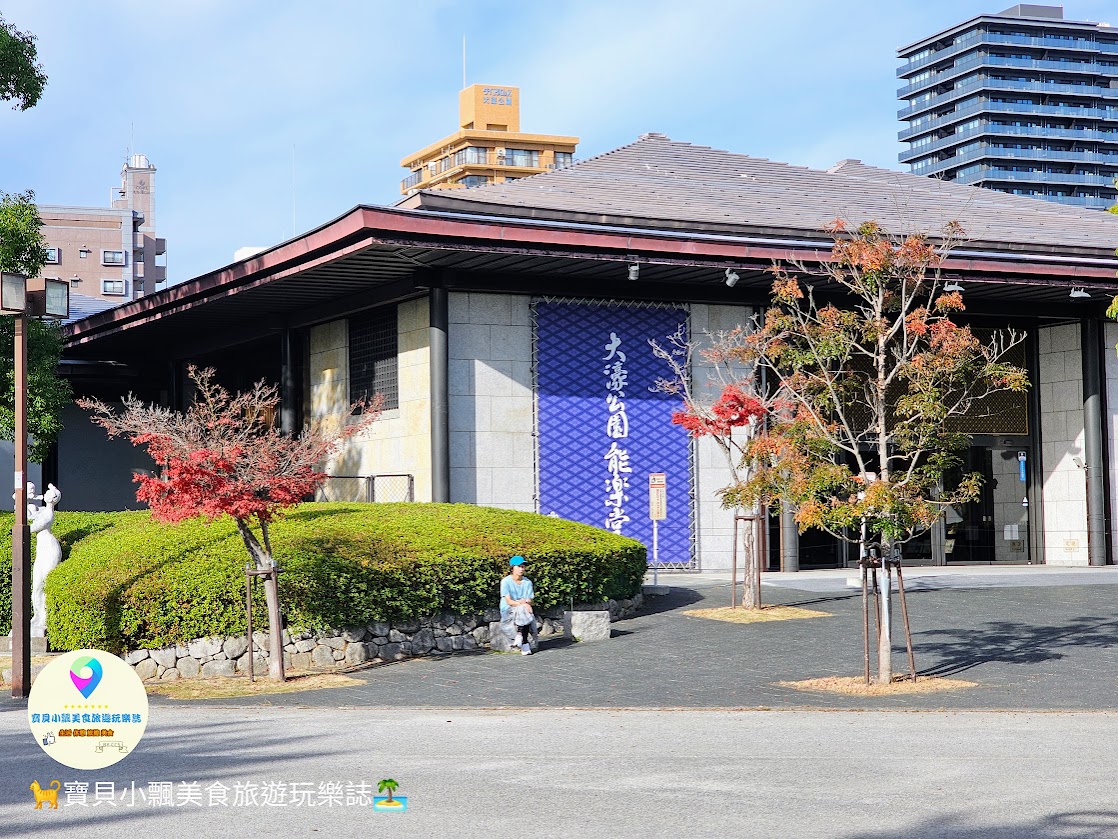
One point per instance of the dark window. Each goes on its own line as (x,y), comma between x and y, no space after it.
(373,366)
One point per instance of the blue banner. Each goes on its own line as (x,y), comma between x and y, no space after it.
(602,429)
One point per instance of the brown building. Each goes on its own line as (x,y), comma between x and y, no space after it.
(488,146)
(109,254)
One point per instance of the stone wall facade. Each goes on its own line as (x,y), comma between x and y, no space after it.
(399,442)
(374,643)
(492,408)
(714,523)
(1062,440)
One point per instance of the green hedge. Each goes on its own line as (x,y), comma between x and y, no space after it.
(69,528)
(130,583)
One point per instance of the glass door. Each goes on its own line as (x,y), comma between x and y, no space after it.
(994,527)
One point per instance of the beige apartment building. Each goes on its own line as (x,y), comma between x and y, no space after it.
(109,255)
(488,146)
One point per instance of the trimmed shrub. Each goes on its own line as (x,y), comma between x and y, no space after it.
(130,582)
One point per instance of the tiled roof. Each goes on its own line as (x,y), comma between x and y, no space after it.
(82,305)
(657,182)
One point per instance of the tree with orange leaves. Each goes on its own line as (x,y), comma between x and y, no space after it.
(875,380)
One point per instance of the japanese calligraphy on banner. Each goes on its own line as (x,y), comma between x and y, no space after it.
(602,429)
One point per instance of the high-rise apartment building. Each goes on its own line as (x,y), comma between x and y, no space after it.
(110,254)
(1022,102)
(488,146)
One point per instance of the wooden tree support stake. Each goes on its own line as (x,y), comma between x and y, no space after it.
(869,585)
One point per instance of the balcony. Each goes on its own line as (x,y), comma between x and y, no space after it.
(983,82)
(477,156)
(992,173)
(1005,108)
(474,156)
(971,39)
(960,44)
(1083,134)
(990,150)
(1091,202)
(984,59)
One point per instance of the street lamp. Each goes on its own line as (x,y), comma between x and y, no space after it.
(21,298)
(13,293)
(13,301)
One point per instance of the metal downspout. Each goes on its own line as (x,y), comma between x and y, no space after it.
(440,395)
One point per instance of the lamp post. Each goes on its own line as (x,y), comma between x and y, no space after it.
(22,298)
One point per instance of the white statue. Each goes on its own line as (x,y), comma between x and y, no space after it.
(48,553)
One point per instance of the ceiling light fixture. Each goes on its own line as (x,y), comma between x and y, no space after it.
(732,277)
(953,286)
(1079,293)
(634,272)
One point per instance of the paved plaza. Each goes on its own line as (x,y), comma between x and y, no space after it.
(1032,638)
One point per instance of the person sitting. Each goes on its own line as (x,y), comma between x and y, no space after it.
(517,619)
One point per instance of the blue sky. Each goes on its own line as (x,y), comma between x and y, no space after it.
(217,92)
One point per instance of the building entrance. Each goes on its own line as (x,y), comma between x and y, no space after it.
(994,528)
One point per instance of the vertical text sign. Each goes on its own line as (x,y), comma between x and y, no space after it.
(657,496)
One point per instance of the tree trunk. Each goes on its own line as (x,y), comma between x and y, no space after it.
(263,561)
(275,630)
(751,596)
(885,639)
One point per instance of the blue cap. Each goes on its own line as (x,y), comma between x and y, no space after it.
(517,560)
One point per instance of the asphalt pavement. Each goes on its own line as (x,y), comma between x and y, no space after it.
(1041,645)
(551,773)
(648,734)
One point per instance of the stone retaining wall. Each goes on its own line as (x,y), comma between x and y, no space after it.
(335,649)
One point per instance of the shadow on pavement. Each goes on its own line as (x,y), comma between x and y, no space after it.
(819,601)
(170,751)
(1010,642)
(678,599)
(1083,824)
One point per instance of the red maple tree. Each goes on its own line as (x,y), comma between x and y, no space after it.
(731,421)
(733,409)
(224,456)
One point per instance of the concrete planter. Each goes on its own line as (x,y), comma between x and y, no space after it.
(587,625)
